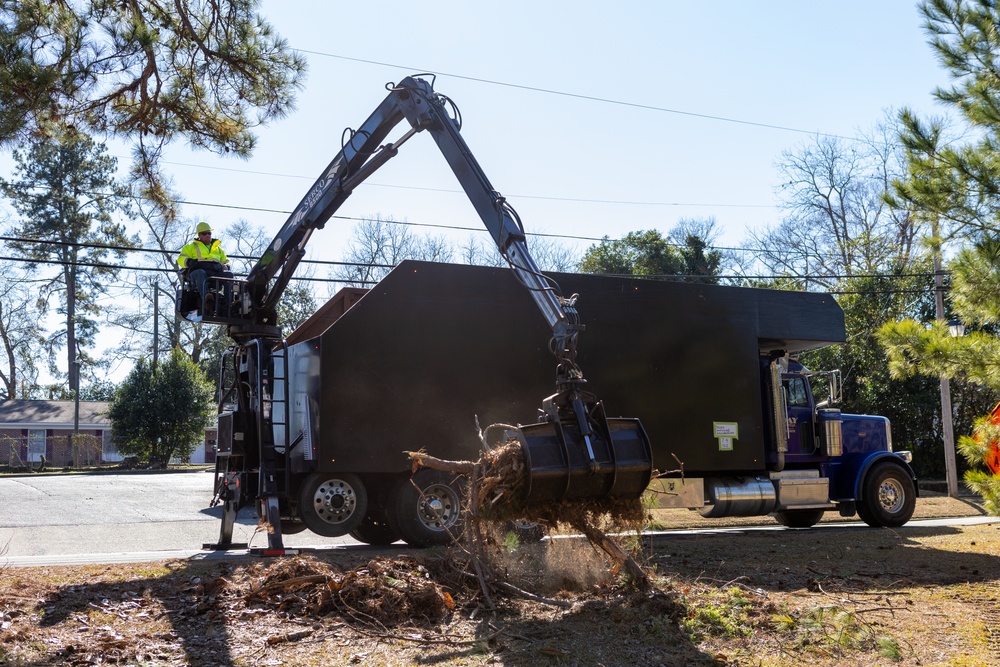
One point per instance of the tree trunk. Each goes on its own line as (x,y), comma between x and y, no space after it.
(10,381)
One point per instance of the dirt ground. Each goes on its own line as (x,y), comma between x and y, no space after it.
(827,596)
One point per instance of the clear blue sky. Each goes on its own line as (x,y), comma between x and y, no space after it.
(570,165)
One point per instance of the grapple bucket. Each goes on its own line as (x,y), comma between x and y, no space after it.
(563,465)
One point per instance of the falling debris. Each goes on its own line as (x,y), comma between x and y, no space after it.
(495,497)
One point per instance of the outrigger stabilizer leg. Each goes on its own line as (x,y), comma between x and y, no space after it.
(229,495)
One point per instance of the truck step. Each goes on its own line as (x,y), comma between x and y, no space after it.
(803,492)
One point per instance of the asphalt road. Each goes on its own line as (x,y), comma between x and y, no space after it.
(57,519)
(136,517)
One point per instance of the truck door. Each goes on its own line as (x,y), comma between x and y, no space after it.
(800,428)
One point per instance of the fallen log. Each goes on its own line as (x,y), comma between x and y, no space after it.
(425,460)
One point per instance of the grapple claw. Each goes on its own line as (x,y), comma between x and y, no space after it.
(613,461)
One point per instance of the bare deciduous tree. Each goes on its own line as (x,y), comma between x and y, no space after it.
(550,255)
(837,221)
(379,244)
(20,334)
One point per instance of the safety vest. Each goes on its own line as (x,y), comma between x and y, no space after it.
(204,253)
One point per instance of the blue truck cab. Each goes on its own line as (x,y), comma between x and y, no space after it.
(816,459)
(853,452)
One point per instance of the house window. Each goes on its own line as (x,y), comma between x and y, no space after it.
(36,445)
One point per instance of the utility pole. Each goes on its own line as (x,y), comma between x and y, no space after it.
(76,396)
(947,429)
(156,323)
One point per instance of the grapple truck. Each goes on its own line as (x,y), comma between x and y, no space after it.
(313,428)
(303,467)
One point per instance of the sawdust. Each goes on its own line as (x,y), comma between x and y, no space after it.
(553,566)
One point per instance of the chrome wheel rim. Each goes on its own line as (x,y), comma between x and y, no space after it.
(438,507)
(335,501)
(891,495)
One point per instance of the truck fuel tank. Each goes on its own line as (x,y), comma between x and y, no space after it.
(738,496)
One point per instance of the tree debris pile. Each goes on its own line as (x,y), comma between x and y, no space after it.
(892,599)
(495,498)
(384,592)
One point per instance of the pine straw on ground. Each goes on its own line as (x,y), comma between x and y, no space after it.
(829,597)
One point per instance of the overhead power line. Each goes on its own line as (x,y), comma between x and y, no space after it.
(171,253)
(479,229)
(407,223)
(660,277)
(617,202)
(806,278)
(580,96)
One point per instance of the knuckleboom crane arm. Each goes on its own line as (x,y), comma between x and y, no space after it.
(363,153)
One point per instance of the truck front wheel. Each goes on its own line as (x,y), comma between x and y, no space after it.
(425,510)
(889,496)
(332,504)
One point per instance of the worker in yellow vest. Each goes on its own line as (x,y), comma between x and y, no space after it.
(201,258)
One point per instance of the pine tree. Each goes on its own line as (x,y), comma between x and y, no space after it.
(207,71)
(956,188)
(65,193)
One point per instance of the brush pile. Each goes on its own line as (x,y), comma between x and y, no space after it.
(384,592)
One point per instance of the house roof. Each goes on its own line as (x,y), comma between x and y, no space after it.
(52,414)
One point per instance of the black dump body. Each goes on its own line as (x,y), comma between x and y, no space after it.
(434,346)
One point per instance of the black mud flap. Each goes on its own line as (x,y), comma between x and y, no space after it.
(560,465)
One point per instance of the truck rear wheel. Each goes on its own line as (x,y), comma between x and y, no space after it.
(290,527)
(430,516)
(889,496)
(374,529)
(799,518)
(332,504)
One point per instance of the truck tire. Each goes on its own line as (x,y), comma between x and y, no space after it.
(332,504)
(799,518)
(289,527)
(431,516)
(889,496)
(375,530)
